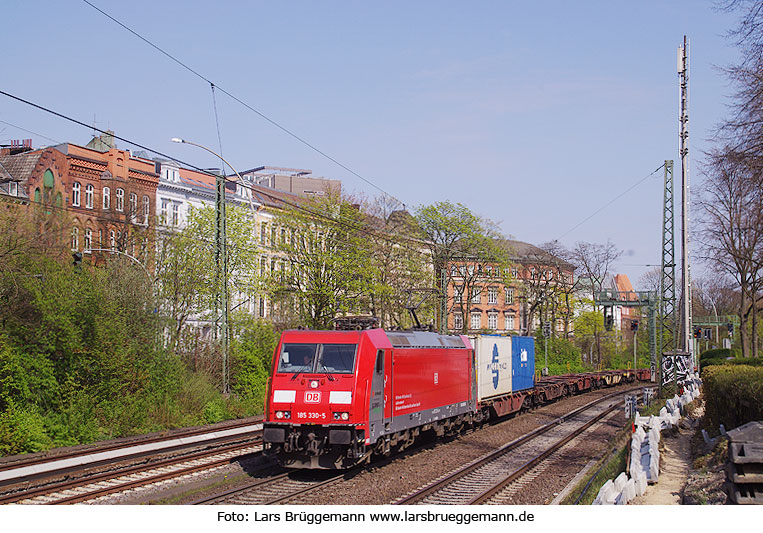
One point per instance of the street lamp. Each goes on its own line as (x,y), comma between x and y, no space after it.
(221,258)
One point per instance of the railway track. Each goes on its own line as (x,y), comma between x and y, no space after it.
(485,479)
(81,476)
(275,490)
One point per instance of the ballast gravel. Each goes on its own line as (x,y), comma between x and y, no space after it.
(385,484)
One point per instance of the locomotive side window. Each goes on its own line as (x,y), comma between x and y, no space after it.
(380,362)
(338,358)
(297,358)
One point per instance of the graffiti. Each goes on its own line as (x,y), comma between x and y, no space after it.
(682,368)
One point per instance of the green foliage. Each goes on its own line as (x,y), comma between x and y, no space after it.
(563,356)
(251,354)
(733,394)
(717,353)
(22,431)
(326,270)
(463,246)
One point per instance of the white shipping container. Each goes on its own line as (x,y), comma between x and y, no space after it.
(493,356)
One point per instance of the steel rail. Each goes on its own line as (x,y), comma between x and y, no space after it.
(66,485)
(480,461)
(173,434)
(500,485)
(154,479)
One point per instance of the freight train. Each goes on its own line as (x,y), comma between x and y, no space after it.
(336,398)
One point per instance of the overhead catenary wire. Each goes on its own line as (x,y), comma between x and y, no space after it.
(243,103)
(613,200)
(396,240)
(262,191)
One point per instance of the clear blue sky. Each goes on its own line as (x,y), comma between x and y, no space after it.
(533,114)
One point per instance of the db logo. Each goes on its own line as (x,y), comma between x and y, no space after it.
(312,397)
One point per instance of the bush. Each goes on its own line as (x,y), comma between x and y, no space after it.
(717,353)
(563,356)
(22,431)
(734,395)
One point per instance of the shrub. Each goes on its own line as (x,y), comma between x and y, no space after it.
(717,353)
(22,431)
(734,395)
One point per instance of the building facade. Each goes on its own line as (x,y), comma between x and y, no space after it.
(517,299)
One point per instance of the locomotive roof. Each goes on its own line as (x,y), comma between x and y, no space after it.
(423,339)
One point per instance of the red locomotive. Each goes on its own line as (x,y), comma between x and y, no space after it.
(334,398)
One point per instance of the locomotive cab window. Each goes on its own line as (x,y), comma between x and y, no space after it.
(337,358)
(297,358)
(380,362)
(320,358)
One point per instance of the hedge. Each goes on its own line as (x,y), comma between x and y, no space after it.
(717,353)
(733,394)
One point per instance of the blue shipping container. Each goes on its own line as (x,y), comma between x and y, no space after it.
(522,363)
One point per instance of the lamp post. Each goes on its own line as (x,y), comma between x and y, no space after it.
(221,259)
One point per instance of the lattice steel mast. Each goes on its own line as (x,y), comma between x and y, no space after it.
(668,333)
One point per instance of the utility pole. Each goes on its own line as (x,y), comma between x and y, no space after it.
(683,120)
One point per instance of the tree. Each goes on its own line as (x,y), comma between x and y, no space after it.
(322,268)
(465,251)
(187,284)
(593,262)
(401,271)
(731,208)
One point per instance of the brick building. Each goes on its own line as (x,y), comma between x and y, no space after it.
(108,195)
(533,290)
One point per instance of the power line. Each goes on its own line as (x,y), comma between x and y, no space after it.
(262,191)
(613,200)
(29,131)
(246,105)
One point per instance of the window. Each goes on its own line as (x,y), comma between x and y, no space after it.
(146,210)
(533,273)
(89,194)
(120,199)
(133,206)
(476,291)
(88,239)
(13,188)
(458,321)
(509,320)
(75,238)
(163,212)
(112,239)
(514,272)
(476,320)
(106,198)
(175,213)
(331,358)
(458,295)
(492,320)
(509,295)
(76,189)
(263,266)
(492,295)
(37,195)
(263,234)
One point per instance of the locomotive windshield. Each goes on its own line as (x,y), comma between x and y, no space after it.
(329,358)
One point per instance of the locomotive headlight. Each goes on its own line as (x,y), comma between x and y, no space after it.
(345,416)
(283,414)
(314,384)
(341,416)
(279,414)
